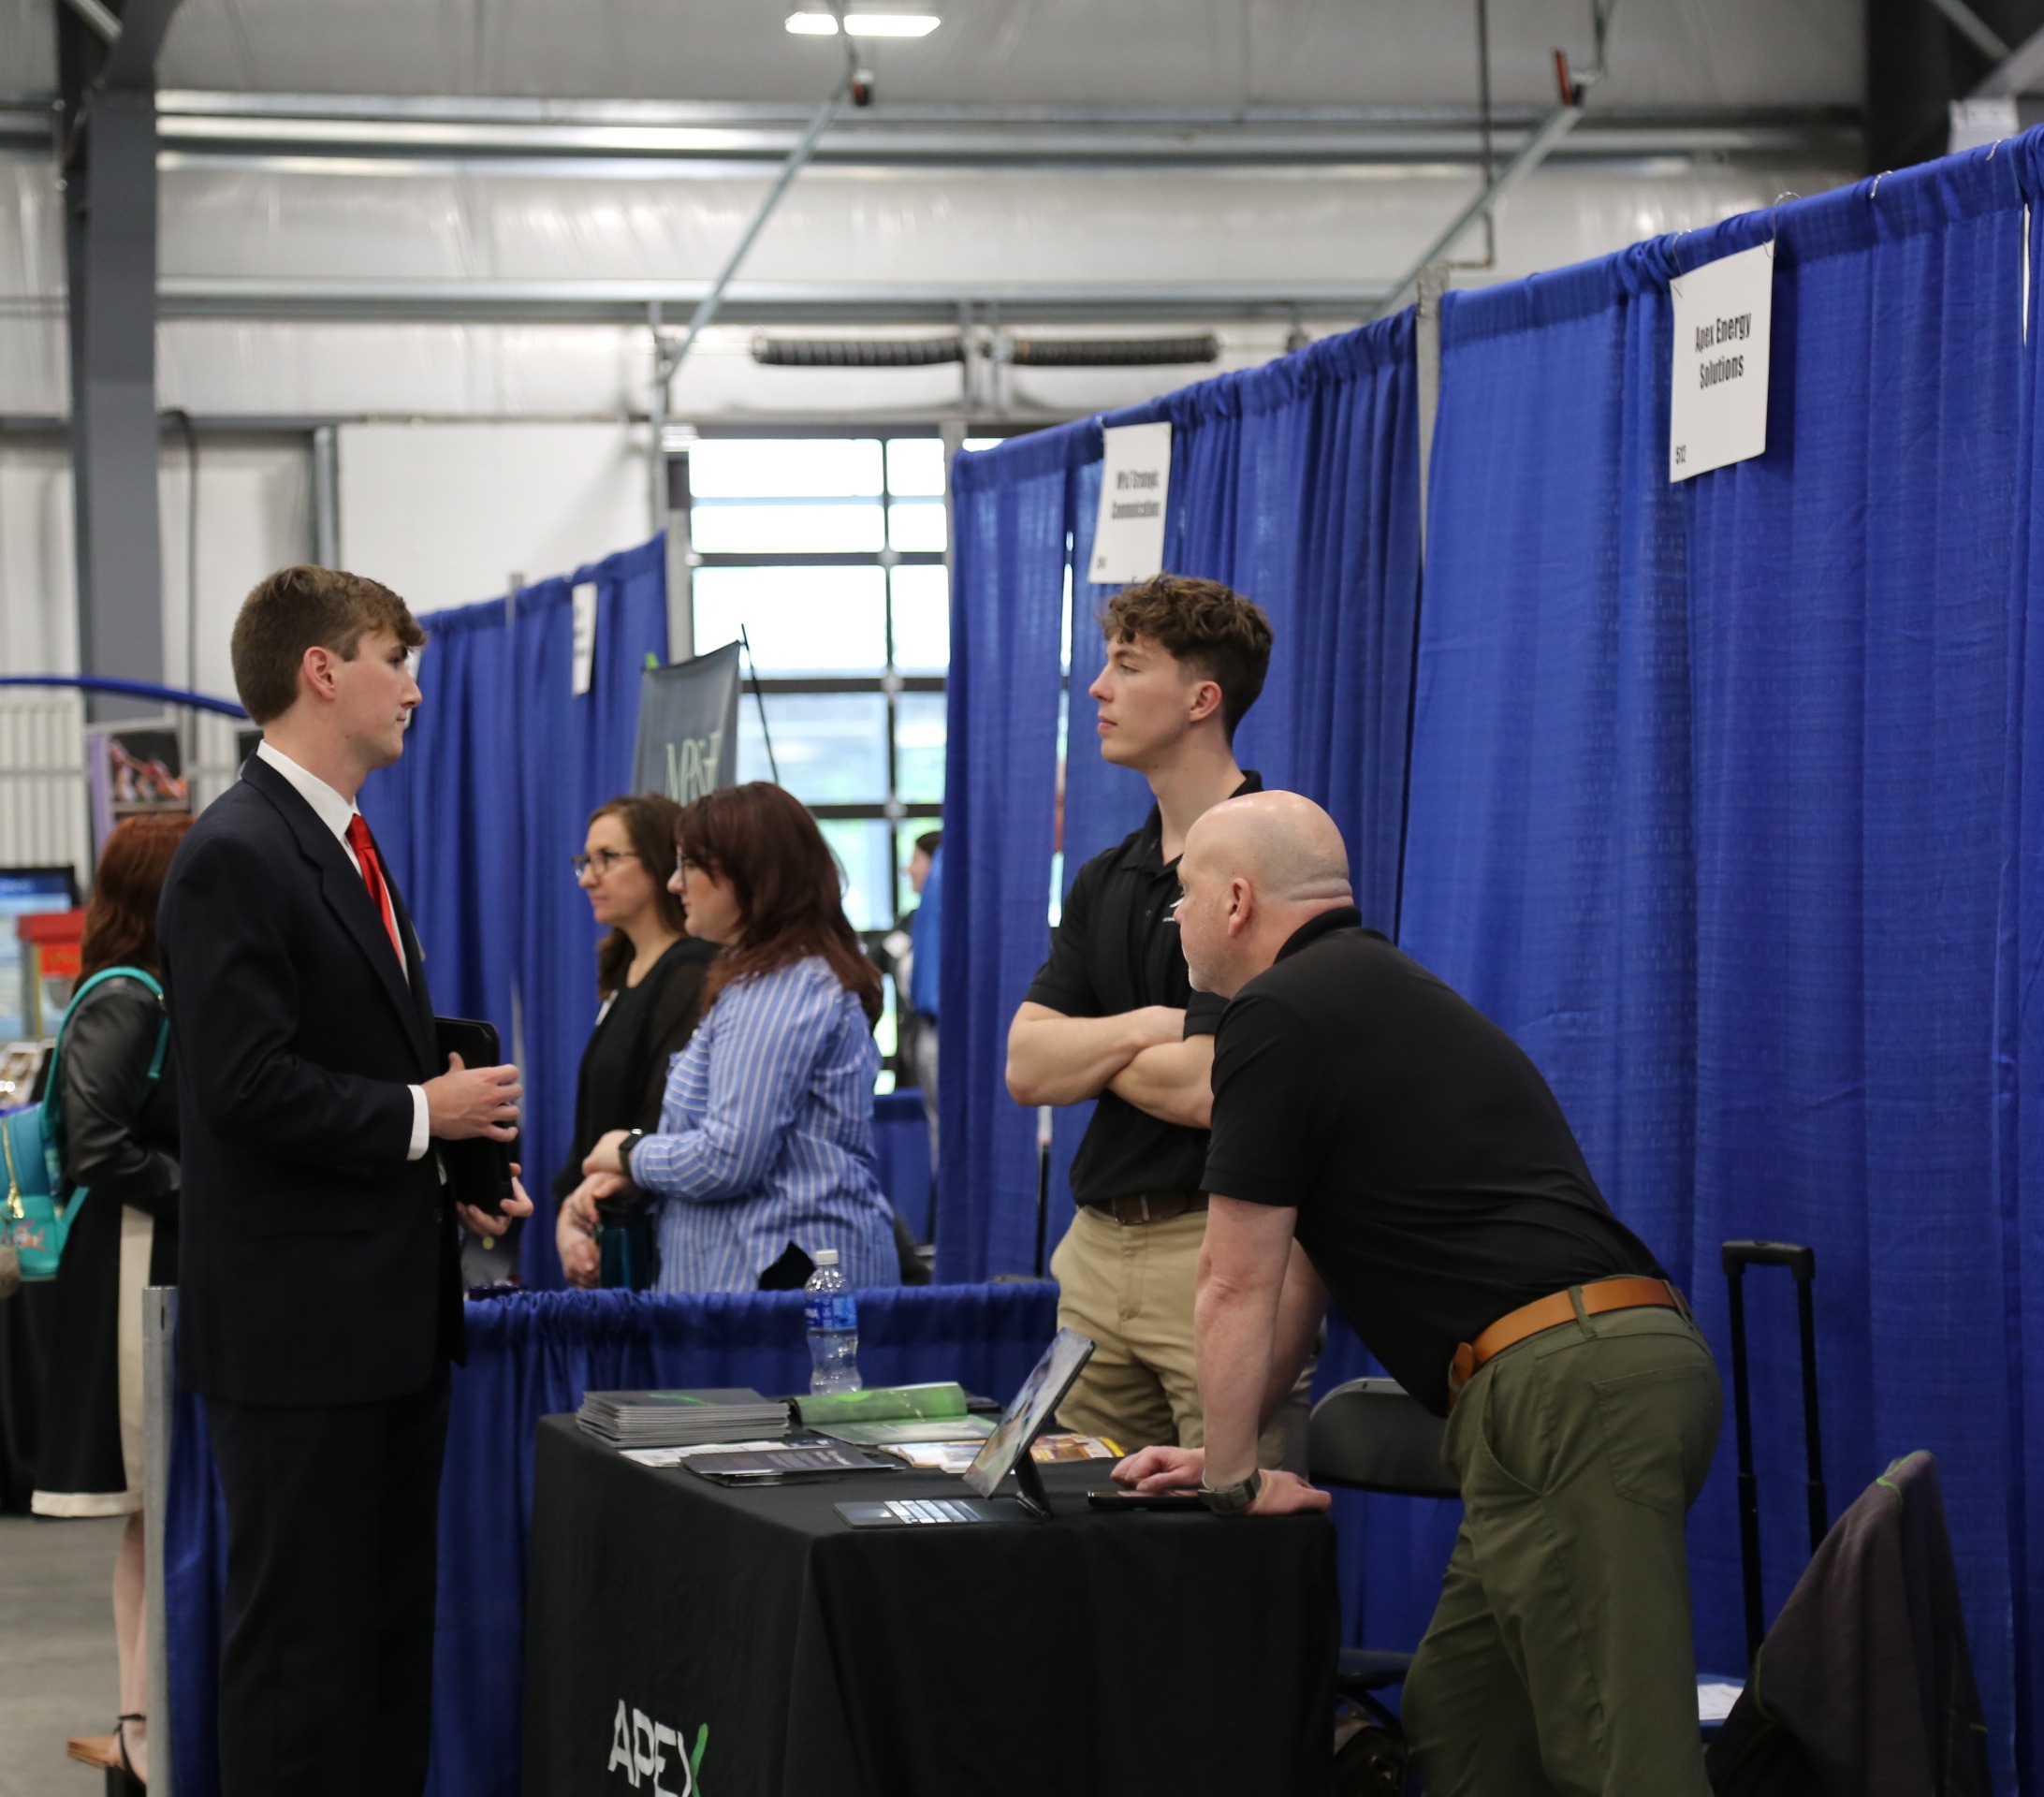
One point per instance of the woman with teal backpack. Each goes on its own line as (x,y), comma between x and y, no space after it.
(112,1091)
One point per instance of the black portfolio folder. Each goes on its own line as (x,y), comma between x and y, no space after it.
(478,1170)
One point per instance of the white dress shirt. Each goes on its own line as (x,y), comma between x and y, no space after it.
(336,814)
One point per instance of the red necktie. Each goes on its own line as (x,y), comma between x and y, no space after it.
(364,846)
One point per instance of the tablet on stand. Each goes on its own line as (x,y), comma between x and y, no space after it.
(1005,1451)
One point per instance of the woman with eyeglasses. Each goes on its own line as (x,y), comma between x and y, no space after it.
(649,989)
(764,1153)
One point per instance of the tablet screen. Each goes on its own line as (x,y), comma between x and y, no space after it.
(1031,1412)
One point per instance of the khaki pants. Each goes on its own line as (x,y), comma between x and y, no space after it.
(1560,1657)
(1130,1287)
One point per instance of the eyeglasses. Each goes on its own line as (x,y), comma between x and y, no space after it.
(603,861)
(1174,908)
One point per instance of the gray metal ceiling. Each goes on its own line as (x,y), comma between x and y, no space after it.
(1198,53)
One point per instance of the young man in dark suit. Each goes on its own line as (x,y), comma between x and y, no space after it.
(320,1300)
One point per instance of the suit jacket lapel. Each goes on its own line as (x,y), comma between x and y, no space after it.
(348,899)
(420,997)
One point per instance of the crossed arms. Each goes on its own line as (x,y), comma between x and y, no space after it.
(1142,1056)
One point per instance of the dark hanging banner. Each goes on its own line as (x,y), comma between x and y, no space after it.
(688,726)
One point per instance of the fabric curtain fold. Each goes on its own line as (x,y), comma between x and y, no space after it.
(1296,484)
(574,750)
(1709,811)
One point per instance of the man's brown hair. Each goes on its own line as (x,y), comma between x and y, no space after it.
(298,608)
(1209,628)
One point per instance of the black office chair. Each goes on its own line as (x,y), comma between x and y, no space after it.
(1373,1435)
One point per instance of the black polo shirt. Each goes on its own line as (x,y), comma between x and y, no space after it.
(1437,1184)
(1115,949)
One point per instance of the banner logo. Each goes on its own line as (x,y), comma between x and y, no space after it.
(639,1748)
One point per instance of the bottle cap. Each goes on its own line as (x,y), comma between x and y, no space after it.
(826,1257)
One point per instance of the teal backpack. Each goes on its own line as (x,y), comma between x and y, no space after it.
(32,1220)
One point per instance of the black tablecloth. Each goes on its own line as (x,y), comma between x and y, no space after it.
(1119,1654)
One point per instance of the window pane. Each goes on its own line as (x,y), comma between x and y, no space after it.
(915,465)
(800,620)
(917,524)
(919,748)
(977,444)
(753,527)
(862,848)
(784,468)
(831,747)
(921,619)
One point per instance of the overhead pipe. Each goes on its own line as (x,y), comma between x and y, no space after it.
(99,19)
(1531,153)
(670,360)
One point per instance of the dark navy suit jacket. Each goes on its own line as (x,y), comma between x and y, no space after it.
(318,1265)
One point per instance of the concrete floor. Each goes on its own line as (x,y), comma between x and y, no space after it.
(57,1673)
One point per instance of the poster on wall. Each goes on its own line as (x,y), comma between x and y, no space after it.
(1134,486)
(1718,407)
(688,726)
(135,770)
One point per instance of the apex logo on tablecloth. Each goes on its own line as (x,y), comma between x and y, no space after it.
(639,1748)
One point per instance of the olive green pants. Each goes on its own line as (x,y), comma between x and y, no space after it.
(1559,1659)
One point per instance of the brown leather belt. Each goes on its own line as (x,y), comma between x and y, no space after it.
(1152,1207)
(1551,1312)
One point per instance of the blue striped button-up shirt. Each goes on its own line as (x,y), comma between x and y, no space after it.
(766,1139)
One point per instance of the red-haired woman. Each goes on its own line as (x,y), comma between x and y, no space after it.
(764,1151)
(120,1143)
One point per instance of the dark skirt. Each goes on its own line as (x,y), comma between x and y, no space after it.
(82,1469)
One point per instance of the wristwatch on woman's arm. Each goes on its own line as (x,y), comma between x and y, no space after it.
(632,1139)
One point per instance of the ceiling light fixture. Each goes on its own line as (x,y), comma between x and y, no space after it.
(864,24)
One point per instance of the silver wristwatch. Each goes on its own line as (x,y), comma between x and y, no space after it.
(1231,1500)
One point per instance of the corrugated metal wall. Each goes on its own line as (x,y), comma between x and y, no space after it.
(44,818)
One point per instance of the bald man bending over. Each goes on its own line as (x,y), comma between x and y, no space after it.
(1376,1136)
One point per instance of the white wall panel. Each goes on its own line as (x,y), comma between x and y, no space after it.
(255,515)
(989,232)
(39,630)
(444,512)
(44,816)
(255,506)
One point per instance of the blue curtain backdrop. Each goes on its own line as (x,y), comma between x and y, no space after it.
(1711,808)
(1296,483)
(533,1355)
(502,765)
(2018,1092)
(573,751)
(1011,518)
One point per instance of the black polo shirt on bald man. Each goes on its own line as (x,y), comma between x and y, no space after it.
(1437,1184)
(1117,949)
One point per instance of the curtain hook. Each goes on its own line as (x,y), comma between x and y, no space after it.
(1873,192)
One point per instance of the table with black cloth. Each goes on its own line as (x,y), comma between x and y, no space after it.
(1129,1653)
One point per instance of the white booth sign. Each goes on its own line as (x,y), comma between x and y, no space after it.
(1717,411)
(1135,483)
(584,639)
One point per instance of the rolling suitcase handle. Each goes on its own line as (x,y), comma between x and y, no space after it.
(1801,1263)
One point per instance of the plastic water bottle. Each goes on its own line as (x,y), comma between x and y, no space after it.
(833,1315)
